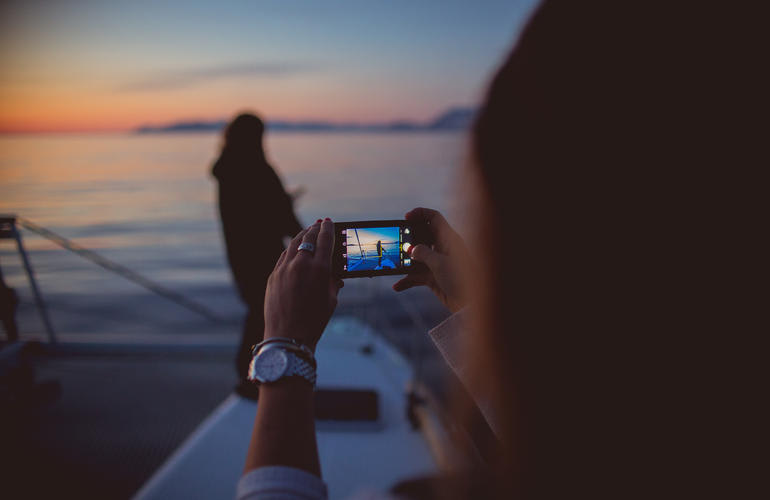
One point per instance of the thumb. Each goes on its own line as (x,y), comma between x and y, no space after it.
(424,254)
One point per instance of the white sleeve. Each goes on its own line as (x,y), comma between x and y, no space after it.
(280,483)
(448,339)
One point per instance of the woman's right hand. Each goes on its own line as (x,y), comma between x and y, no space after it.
(442,258)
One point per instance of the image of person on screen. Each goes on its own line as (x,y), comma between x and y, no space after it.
(363,243)
(251,191)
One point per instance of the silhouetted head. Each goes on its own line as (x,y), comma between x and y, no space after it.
(244,134)
(242,151)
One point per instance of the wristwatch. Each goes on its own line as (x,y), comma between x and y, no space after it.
(274,360)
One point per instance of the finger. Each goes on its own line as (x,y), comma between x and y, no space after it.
(408,282)
(432,217)
(438,225)
(423,253)
(337,286)
(325,242)
(280,259)
(291,251)
(310,237)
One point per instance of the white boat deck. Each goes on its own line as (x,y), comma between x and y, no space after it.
(354,455)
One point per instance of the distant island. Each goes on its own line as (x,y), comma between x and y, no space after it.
(453,119)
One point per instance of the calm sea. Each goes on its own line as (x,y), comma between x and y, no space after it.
(148,202)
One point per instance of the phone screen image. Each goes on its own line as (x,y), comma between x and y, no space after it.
(375,249)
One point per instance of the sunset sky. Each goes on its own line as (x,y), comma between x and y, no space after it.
(87,65)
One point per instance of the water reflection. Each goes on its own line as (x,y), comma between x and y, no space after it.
(148,202)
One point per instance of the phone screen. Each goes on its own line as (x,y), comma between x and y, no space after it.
(373,248)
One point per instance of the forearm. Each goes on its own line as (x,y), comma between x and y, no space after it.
(284,430)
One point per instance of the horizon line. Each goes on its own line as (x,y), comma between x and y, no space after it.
(134,128)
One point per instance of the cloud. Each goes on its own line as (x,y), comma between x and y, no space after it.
(177,79)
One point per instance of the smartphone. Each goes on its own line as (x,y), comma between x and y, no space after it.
(376,247)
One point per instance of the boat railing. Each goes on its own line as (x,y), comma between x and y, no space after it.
(9,229)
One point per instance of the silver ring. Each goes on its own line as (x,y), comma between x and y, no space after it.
(308,247)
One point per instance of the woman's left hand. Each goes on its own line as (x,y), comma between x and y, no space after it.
(302,290)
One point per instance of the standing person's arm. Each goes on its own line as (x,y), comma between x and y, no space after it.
(236,206)
(292,224)
(285,208)
(301,297)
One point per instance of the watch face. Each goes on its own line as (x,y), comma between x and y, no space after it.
(270,365)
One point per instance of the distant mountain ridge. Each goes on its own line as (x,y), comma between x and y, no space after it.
(458,118)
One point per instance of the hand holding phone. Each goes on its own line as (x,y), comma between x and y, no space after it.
(443,260)
(302,292)
(423,246)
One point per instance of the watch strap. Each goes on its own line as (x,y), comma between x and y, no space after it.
(299,367)
(287,344)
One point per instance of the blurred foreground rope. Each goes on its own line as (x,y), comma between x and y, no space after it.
(121,270)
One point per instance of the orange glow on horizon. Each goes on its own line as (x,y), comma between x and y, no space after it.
(91,102)
(62,109)
(32,123)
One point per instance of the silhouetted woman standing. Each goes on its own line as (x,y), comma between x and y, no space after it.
(256,215)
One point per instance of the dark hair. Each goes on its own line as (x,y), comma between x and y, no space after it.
(244,133)
(243,153)
(578,193)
